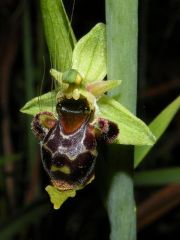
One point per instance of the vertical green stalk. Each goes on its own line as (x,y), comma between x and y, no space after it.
(122,27)
(29,78)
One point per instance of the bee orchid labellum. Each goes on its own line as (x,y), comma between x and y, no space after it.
(69,141)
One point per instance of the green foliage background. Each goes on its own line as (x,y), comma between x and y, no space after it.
(25,212)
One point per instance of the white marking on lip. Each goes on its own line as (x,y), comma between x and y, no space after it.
(51,137)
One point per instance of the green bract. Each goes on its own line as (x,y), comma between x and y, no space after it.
(59,35)
(85,78)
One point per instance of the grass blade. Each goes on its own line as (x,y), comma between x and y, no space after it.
(158,177)
(158,126)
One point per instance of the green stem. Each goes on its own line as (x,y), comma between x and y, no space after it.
(121,17)
(122,28)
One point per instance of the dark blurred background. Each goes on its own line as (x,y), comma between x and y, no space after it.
(25,210)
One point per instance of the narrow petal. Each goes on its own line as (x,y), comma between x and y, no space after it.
(100,87)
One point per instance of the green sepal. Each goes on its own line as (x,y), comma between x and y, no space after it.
(45,102)
(158,126)
(133,131)
(58,197)
(100,87)
(89,55)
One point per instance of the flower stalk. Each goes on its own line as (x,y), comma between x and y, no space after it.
(122,27)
